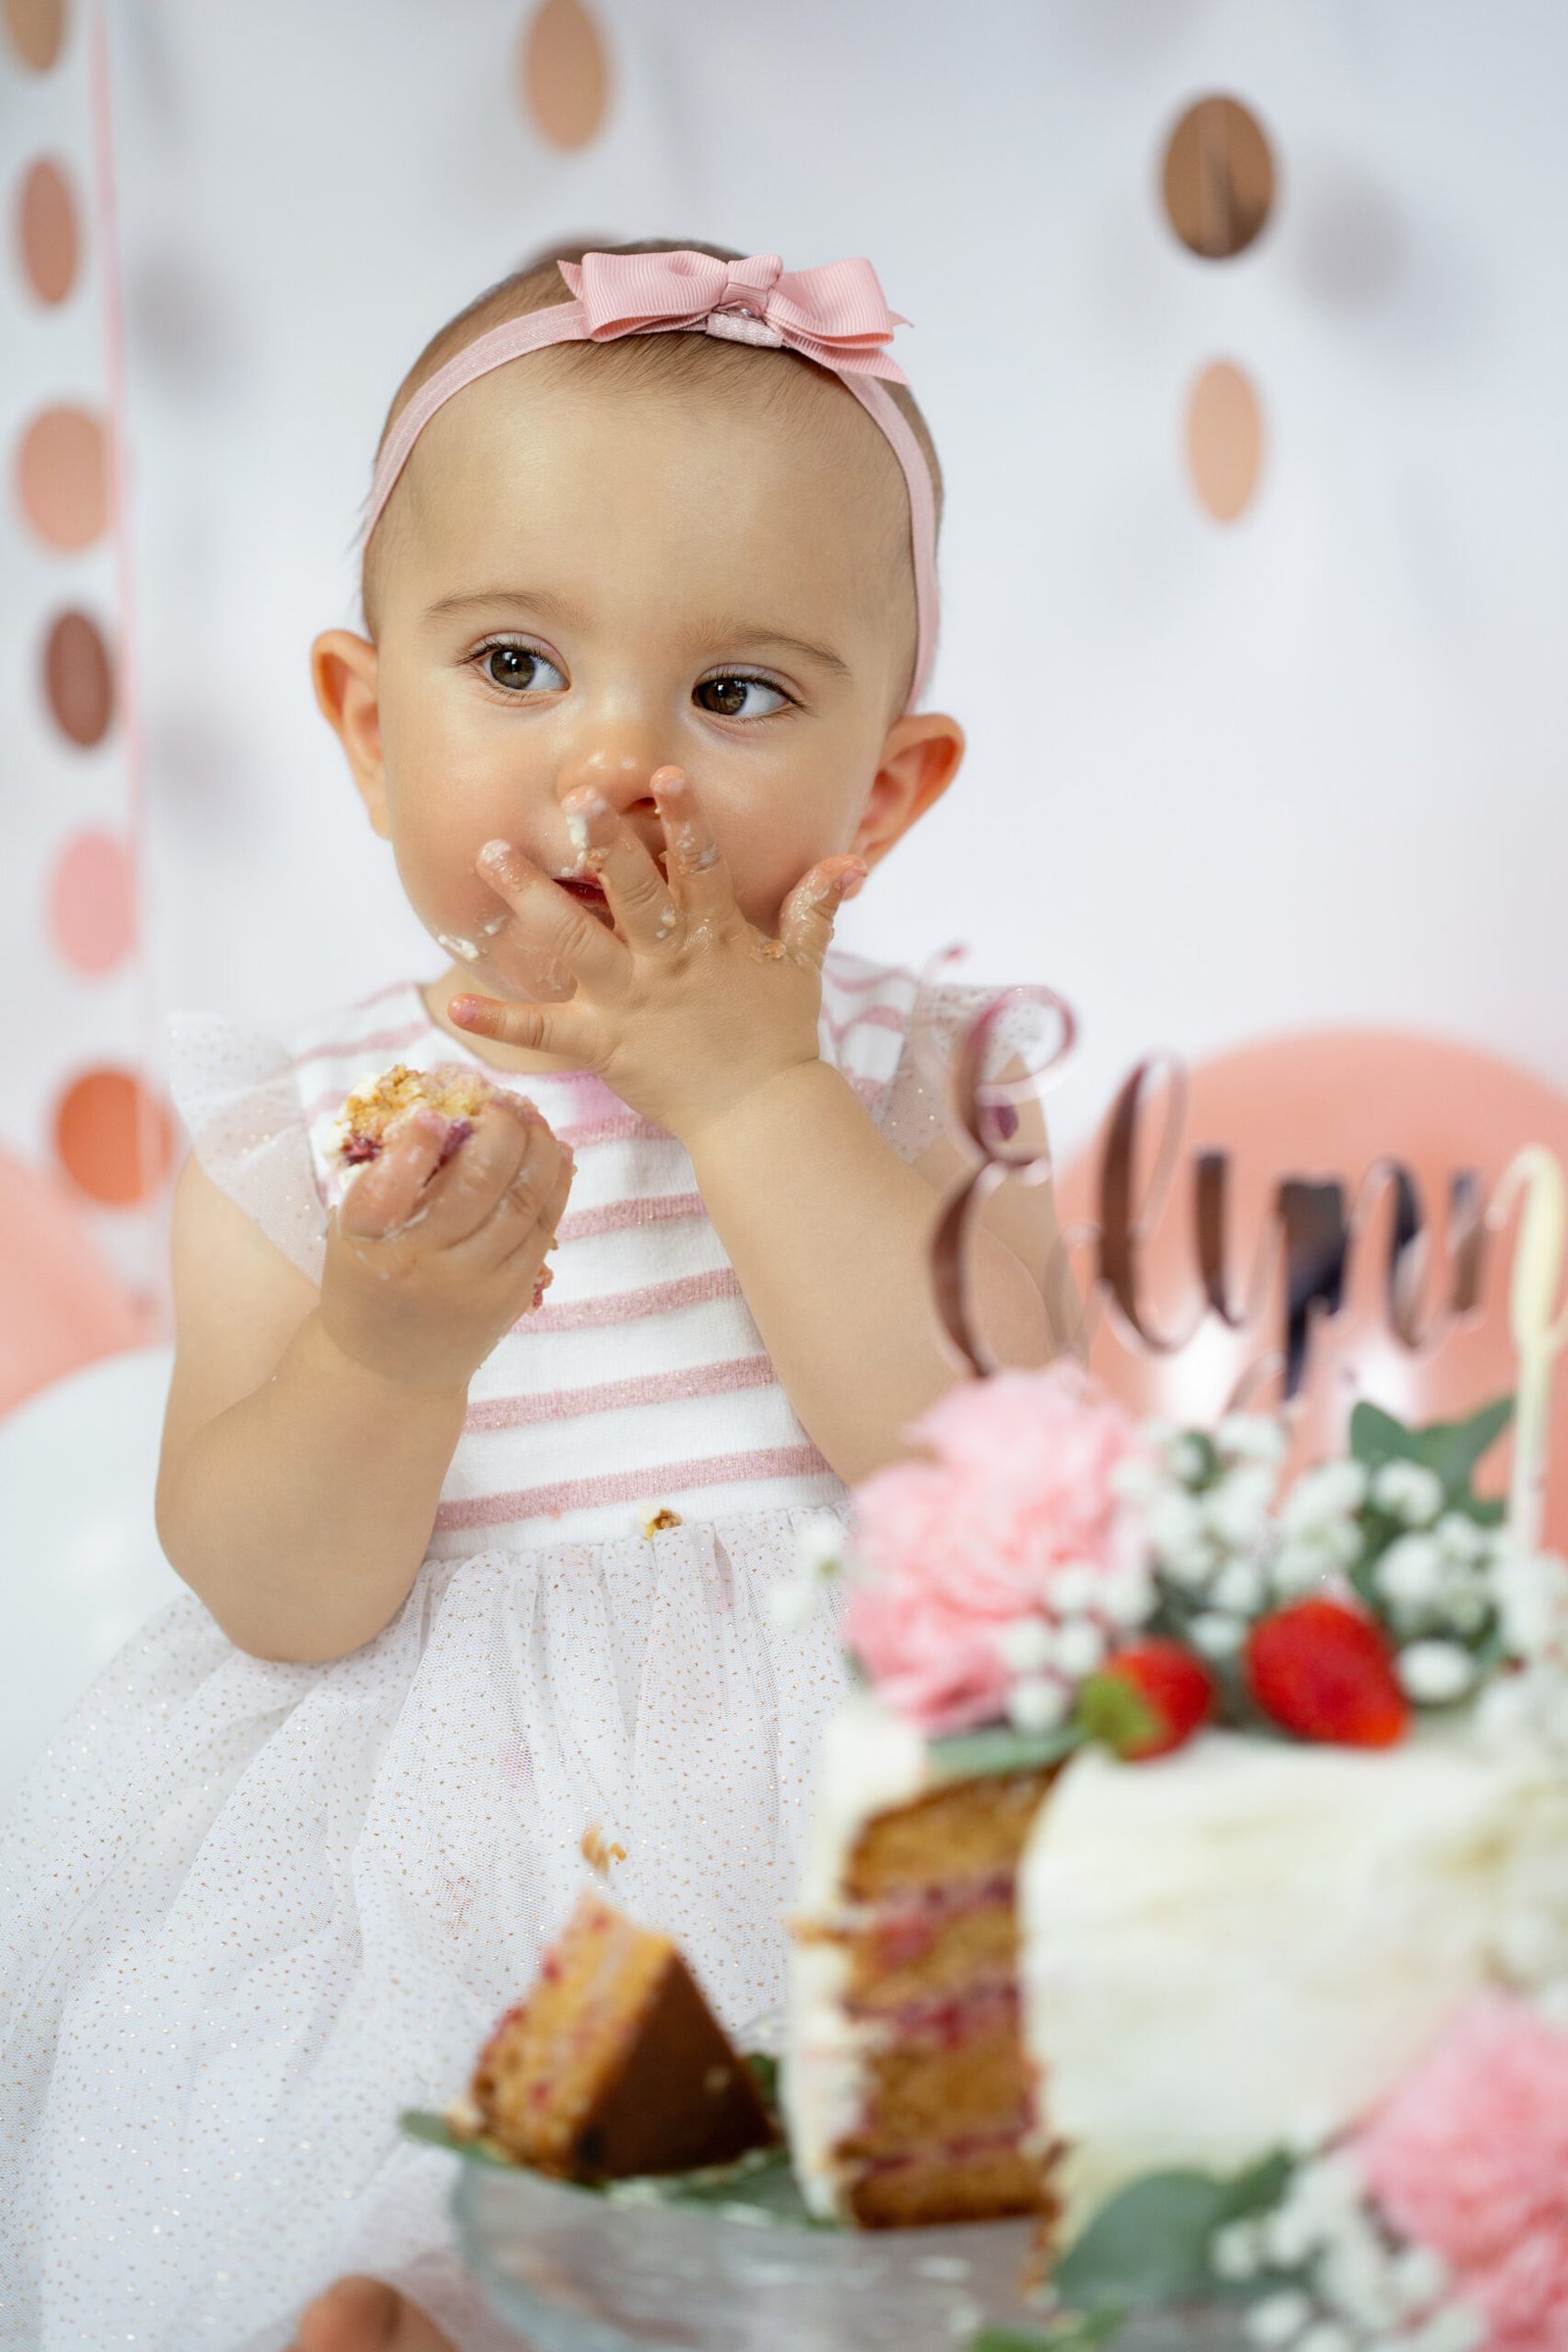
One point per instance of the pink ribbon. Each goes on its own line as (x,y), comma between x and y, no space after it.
(835,314)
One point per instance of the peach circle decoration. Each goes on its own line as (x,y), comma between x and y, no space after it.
(1328,1104)
(92,902)
(47,232)
(566,77)
(114,1137)
(61,1305)
(1224,441)
(1218,178)
(63,477)
(38,29)
(79,679)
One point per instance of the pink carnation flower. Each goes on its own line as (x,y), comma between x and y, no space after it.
(1470,2157)
(956,1549)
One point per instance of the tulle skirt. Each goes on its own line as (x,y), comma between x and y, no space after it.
(252,1911)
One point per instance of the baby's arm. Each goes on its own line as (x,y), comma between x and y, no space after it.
(831,1232)
(308,1434)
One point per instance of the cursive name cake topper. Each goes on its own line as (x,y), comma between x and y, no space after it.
(1346,1268)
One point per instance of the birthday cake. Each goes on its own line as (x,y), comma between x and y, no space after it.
(1287,1936)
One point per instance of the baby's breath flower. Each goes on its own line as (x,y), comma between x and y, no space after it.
(1335,1491)
(1410,1572)
(1434,1672)
(1074,1587)
(1252,1438)
(1459,1538)
(1216,1634)
(1187,1458)
(1025,1645)
(1408,1492)
(1277,2320)
(1233,2252)
(1239,1587)
(1078,1648)
(1037,1702)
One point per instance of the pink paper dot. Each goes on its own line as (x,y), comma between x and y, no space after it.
(92,908)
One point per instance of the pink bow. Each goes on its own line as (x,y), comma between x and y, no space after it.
(836,315)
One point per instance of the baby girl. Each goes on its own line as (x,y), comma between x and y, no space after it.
(650,605)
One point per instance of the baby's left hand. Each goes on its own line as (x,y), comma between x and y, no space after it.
(686,1007)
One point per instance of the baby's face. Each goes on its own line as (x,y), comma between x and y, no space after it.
(588,583)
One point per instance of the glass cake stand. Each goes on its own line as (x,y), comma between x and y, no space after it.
(573,2271)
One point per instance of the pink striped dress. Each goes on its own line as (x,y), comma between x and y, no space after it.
(254,1910)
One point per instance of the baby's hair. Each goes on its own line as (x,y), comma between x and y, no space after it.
(780,378)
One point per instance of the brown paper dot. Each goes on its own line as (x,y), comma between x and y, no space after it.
(63,477)
(566,75)
(1218,179)
(114,1137)
(79,679)
(38,29)
(46,230)
(1224,440)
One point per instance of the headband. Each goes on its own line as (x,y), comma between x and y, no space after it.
(836,315)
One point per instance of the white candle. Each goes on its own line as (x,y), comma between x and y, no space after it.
(1539,1323)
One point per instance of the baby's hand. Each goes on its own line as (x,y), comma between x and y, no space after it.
(427,1267)
(686,1007)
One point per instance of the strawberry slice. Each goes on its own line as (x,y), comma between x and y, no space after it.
(1325,1671)
(1148,1699)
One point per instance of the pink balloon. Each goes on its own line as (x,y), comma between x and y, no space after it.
(1329,1104)
(61,1306)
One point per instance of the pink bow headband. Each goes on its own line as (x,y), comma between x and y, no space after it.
(836,315)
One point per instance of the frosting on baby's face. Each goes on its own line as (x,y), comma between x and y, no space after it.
(589,582)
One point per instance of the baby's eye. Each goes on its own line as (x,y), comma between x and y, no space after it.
(729,696)
(518,669)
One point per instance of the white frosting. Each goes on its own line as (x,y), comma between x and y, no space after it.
(1245,1945)
(870,1761)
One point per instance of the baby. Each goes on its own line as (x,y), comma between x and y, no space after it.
(648,613)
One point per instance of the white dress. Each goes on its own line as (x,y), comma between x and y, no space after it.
(251,1911)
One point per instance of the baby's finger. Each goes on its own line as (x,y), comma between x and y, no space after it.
(516,1207)
(635,889)
(548,926)
(385,1195)
(551,1211)
(806,924)
(699,881)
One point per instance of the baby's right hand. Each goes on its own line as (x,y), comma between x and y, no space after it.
(426,1267)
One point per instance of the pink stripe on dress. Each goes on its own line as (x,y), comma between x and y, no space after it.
(631,1306)
(611,1396)
(632,1485)
(623,1216)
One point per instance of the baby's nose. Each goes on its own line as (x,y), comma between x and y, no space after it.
(619,775)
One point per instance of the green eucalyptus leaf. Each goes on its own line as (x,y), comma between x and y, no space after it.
(1149,2245)
(1375,1438)
(997,1749)
(1459,1445)
(435,2130)
(1074,2331)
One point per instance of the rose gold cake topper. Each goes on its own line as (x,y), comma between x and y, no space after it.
(1347,1267)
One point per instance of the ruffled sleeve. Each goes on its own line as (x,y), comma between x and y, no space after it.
(915,1112)
(238,1097)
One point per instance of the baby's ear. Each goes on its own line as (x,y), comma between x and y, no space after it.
(343,671)
(919,760)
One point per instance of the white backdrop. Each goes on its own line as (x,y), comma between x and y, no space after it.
(1223,779)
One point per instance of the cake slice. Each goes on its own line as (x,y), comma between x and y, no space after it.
(906,2085)
(614,2065)
(457,1092)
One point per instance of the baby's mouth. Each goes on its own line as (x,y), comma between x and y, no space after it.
(588,891)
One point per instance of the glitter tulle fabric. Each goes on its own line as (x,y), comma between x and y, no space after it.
(254,1910)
